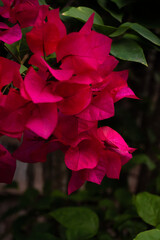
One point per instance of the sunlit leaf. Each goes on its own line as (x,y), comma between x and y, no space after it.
(83,13)
(23,69)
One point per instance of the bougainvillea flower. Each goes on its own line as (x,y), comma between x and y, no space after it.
(76,44)
(112,153)
(115,142)
(24,12)
(17,114)
(58,74)
(39,95)
(84,155)
(107,66)
(14,112)
(86,29)
(13,75)
(109,166)
(40,90)
(43,119)
(46,33)
(35,149)
(57,105)
(76,97)
(88,151)
(92,47)
(118,87)
(7,166)
(10,35)
(5,9)
(103,140)
(101,107)
(69,127)
(82,73)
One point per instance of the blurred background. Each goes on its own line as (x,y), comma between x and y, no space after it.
(29,206)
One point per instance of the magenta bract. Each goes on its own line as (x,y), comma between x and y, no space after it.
(58,101)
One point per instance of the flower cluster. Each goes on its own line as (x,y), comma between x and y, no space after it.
(58,106)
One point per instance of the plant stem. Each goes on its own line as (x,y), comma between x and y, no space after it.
(15,57)
(26,56)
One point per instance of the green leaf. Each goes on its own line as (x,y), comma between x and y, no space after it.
(118,15)
(105,29)
(158,227)
(83,13)
(153,234)
(58,194)
(158,184)
(1,3)
(18,224)
(144,32)
(141,30)
(110,214)
(29,198)
(40,231)
(14,48)
(122,3)
(81,196)
(148,208)
(121,29)
(51,56)
(13,185)
(81,222)
(42,2)
(106,203)
(104,236)
(144,159)
(43,236)
(127,49)
(123,196)
(23,69)
(133,227)
(23,46)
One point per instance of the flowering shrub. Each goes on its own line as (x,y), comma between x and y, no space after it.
(58,105)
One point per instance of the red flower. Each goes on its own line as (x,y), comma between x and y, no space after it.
(46,33)
(35,149)
(7,166)
(6,77)
(14,111)
(102,153)
(57,105)
(10,35)
(24,12)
